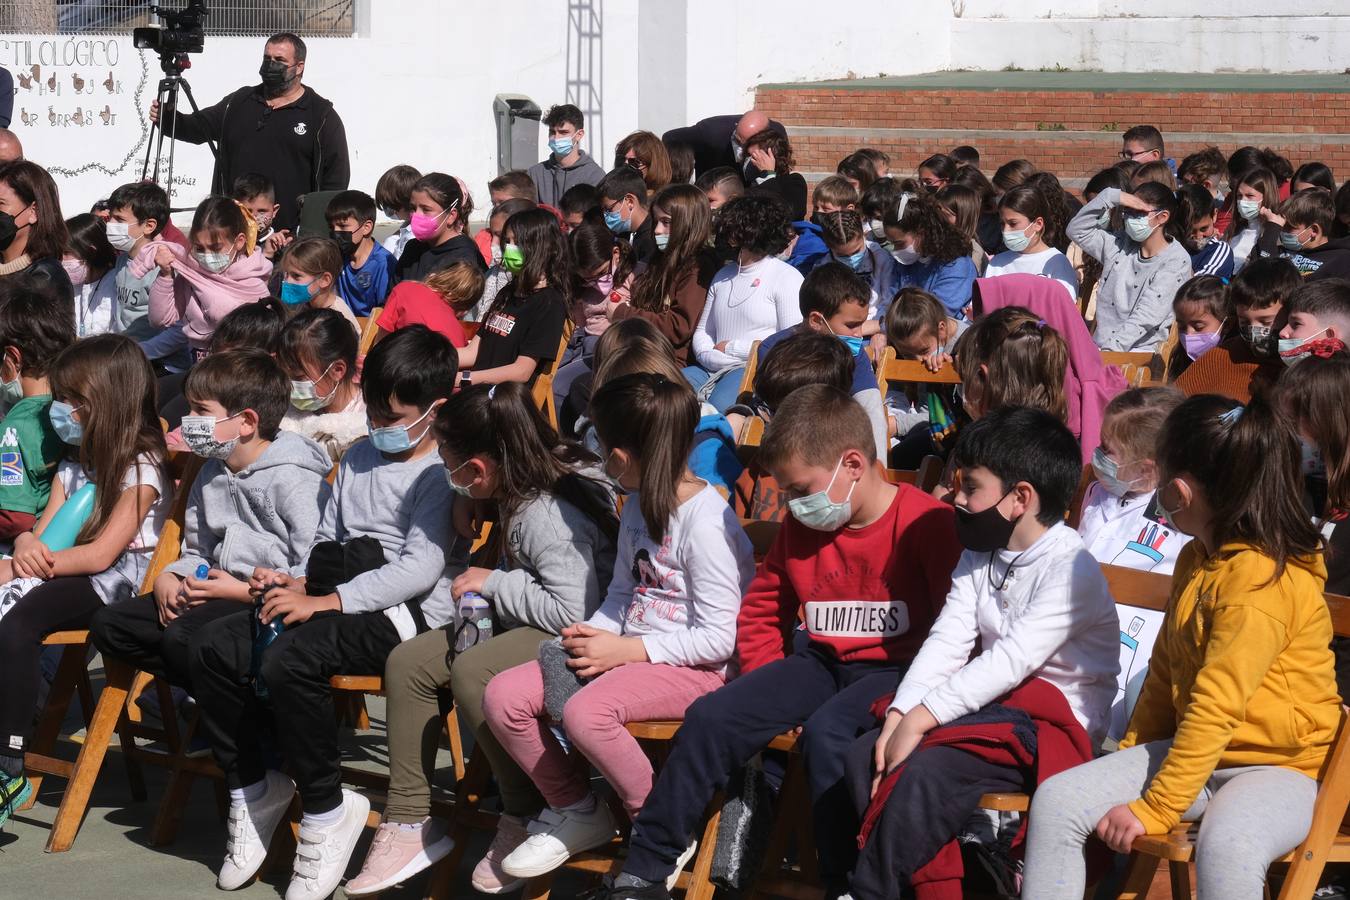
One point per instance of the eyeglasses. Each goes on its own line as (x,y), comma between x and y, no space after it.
(1125,154)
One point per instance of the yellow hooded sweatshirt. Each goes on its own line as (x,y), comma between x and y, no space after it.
(1242,674)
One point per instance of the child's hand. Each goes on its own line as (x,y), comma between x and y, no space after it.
(464,518)
(165,259)
(294,607)
(276,242)
(470,581)
(1119,827)
(1130,201)
(167,601)
(265,579)
(935,362)
(595,651)
(6,570)
(1271,216)
(216,585)
(32,559)
(892,750)
(878,345)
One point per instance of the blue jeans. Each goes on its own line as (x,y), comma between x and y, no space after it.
(728,386)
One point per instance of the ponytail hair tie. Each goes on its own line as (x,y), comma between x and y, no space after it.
(900,208)
(492,392)
(1231,417)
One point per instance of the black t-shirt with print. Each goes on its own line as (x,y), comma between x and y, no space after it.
(522,326)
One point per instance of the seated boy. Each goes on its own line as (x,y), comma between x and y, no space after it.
(575,203)
(917,327)
(1035,602)
(393,195)
(864,565)
(256,502)
(1318,311)
(833,300)
(1248,362)
(259,197)
(368,268)
(831,194)
(1305,220)
(375,575)
(36,324)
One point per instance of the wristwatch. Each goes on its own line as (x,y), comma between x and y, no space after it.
(465,379)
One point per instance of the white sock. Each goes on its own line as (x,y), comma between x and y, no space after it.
(584,805)
(249,793)
(322,820)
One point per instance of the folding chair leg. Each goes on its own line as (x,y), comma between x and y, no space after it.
(1138,877)
(54,712)
(700,884)
(538,888)
(468,795)
(1180,874)
(75,800)
(135,774)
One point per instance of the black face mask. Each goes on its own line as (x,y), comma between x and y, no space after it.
(346,243)
(8,231)
(984,531)
(274,75)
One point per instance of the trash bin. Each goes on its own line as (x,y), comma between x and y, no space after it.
(517,118)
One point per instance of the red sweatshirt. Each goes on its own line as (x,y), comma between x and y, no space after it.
(866,594)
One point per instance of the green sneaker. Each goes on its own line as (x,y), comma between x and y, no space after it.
(14,792)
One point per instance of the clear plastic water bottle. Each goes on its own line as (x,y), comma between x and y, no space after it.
(264,633)
(475,612)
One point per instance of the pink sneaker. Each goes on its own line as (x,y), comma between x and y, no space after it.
(488,875)
(397,854)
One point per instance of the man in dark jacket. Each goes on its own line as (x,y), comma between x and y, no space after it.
(279,128)
(720,140)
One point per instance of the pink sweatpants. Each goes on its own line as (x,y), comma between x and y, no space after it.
(594,718)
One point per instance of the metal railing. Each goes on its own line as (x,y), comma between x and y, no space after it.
(307,18)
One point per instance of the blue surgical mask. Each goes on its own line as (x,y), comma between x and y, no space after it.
(1104,220)
(561,146)
(1290,241)
(1016,241)
(616,223)
(662,241)
(1108,474)
(1249,209)
(1138,229)
(293,293)
(818,512)
(11,392)
(854,344)
(1291,348)
(853,260)
(64,423)
(460,489)
(396,438)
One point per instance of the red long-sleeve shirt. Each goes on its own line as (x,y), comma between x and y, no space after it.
(866,594)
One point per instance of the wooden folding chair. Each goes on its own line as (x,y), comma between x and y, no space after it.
(894,370)
(925,477)
(747,389)
(370,329)
(1133,365)
(543,381)
(121,687)
(1074,514)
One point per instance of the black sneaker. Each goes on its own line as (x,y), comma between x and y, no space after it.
(607,891)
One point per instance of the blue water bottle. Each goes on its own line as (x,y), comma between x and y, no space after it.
(264,633)
(62,530)
(203,570)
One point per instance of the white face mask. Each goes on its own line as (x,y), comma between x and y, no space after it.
(905,256)
(199,433)
(214,263)
(119,235)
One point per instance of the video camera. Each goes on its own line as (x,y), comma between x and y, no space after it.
(179,32)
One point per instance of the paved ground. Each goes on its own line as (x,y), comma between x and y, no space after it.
(1086,81)
(112,857)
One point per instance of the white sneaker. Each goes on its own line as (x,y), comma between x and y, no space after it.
(558,835)
(680,863)
(323,853)
(251,826)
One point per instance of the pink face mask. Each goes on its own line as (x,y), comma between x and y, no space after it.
(424,227)
(605,283)
(76,269)
(1199,344)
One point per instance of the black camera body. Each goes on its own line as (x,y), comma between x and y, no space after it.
(181,31)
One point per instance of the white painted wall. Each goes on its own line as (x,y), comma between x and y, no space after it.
(417,85)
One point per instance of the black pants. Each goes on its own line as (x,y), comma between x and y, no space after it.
(56,605)
(722,730)
(296,667)
(935,795)
(130,631)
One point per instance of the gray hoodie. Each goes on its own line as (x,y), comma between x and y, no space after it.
(561,565)
(551,180)
(406,507)
(265,515)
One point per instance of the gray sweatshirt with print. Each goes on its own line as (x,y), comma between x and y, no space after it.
(264,515)
(561,564)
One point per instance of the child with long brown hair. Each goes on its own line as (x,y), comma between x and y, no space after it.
(930,252)
(1239,708)
(1029,236)
(104,404)
(310,271)
(558,513)
(671,292)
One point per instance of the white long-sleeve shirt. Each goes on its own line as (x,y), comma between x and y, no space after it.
(1052,618)
(746,304)
(680,596)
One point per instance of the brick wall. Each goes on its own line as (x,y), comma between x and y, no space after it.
(1071,133)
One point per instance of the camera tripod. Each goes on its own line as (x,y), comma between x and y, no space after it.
(169,87)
